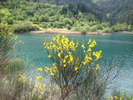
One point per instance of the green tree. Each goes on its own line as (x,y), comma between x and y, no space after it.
(40,19)
(80,15)
(73,20)
(34,19)
(46,18)
(10,20)
(20,17)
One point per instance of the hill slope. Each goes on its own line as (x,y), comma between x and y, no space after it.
(107,6)
(124,13)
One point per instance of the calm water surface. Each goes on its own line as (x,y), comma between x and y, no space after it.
(119,44)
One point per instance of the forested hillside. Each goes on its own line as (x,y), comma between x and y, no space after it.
(107,6)
(124,13)
(85,16)
(117,10)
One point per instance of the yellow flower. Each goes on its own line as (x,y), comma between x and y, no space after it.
(39,77)
(41,88)
(54,64)
(83,63)
(39,69)
(46,70)
(116,97)
(29,86)
(53,38)
(49,56)
(23,42)
(89,41)
(59,54)
(76,68)
(52,74)
(16,37)
(83,46)
(23,80)
(66,56)
(89,49)
(123,91)
(120,98)
(38,84)
(64,65)
(13,47)
(10,33)
(44,43)
(19,79)
(64,61)
(71,59)
(97,68)
(94,42)
(20,41)
(111,98)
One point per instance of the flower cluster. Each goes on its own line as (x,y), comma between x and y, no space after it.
(73,64)
(21,78)
(62,52)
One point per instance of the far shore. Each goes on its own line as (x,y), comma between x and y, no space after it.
(65,31)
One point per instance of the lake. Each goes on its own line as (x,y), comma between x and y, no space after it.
(120,44)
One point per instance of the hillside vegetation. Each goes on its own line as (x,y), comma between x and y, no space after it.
(28,15)
(117,10)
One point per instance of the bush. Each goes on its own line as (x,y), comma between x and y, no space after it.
(76,70)
(83,31)
(48,25)
(87,28)
(40,19)
(6,44)
(107,30)
(100,31)
(25,27)
(67,21)
(10,20)
(120,27)
(34,27)
(44,25)
(20,17)
(68,26)
(34,19)
(46,18)
(93,29)
(50,20)
(76,28)
(121,95)
(73,20)
(105,24)
(69,67)
(99,26)
(14,80)
(92,23)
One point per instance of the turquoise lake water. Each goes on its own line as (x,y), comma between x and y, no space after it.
(119,44)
